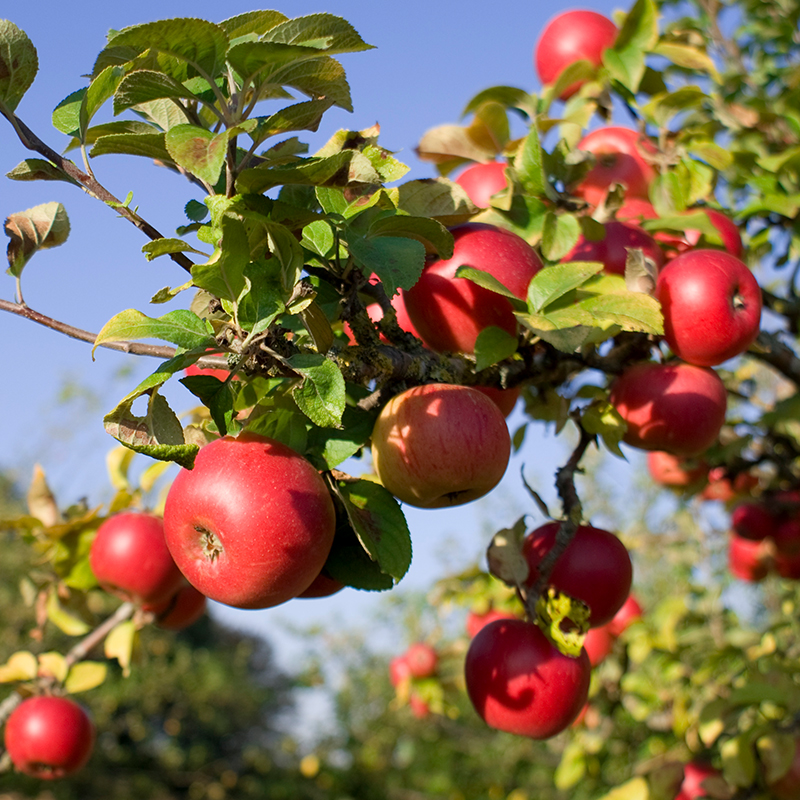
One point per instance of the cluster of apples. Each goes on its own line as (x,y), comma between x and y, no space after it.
(419,661)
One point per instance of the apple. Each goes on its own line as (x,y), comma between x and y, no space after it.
(399,670)
(419,707)
(251,525)
(595,568)
(49,737)
(576,35)
(711,305)
(612,249)
(752,521)
(481,181)
(676,407)
(695,774)
(183,609)
(630,612)
(787,787)
(619,154)
(322,586)
(375,313)
(440,445)
(786,537)
(724,488)
(670,470)
(504,399)
(130,558)
(519,682)
(421,659)
(599,642)
(747,559)
(476,621)
(450,312)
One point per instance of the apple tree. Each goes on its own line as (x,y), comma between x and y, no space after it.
(356,341)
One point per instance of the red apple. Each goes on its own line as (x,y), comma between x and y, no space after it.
(481,181)
(399,670)
(185,608)
(518,681)
(630,612)
(504,399)
(252,524)
(694,775)
(450,312)
(576,35)
(130,558)
(322,586)
(747,559)
(375,313)
(752,521)
(669,470)
(728,230)
(619,154)
(723,488)
(595,568)
(787,787)
(421,659)
(419,707)
(476,621)
(440,445)
(49,737)
(599,642)
(612,249)
(674,407)
(711,304)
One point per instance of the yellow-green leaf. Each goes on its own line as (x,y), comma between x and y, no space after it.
(85,675)
(119,644)
(21,666)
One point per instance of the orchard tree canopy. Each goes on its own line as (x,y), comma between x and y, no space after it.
(623,272)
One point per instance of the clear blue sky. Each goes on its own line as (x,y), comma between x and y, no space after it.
(431,58)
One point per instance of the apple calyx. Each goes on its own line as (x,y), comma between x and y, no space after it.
(564,620)
(211,546)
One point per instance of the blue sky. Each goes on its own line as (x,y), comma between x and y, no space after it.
(430,59)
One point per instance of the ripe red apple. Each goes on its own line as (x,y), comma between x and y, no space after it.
(519,682)
(711,304)
(419,707)
(440,445)
(130,558)
(577,35)
(252,524)
(399,670)
(787,787)
(747,559)
(694,775)
(619,153)
(375,313)
(723,488)
(504,399)
(612,250)
(599,642)
(475,621)
(49,737)
(752,521)
(669,470)
(595,568)
(481,181)
(183,609)
(421,659)
(322,586)
(450,312)
(675,407)
(630,612)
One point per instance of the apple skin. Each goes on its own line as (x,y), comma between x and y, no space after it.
(630,612)
(711,305)
(721,487)
(576,35)
(786,537)
(49,737)
(419,707)
(747,559)
(476,621)
(399,670)
(519,682)
(481,181)
(375,313)
(322,586)
(504,399)
(595,568)
(450,312)
(695,772)
(440,445)
(612,250)
(130,558)
(252,524)
(619,160)
(599,642)
(421,659)
(675,407)
(752,521)
(669,470)
(186,607)
(787,787)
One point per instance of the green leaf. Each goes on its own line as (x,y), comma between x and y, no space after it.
(216,396)
(571,768)
(198,151)
(634,789)
(493,345)
(688,57)
(64,619)
(560,235)
(431,233)
(264,301)
(149,145)
(632,311)
(38,228)
(379,524)
(663,107)
(21,666)
(454,143)
(437,198)
(37,169)
(323,31)
(144,85)
(223,274)
(181,327)
(251,22)
(397,262)
(316,78)
(336,170)
(298,117)
(487,281)
(739,760)
(638,35)
(332,447)
(119,644)
(552,283)
(18,64)
(164,247)
(508,96)
(67,114)
(85,675)
(600,418)
(776,752)
(529,165)
(321,395)
(350,563)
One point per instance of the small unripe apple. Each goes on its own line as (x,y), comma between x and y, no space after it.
(49,737)
(711,305)
(575,35)
(251,525)
(440,445)
(481,181)
(674,407)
